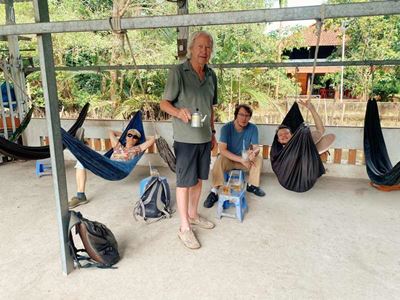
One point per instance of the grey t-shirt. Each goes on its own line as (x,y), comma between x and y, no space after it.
(185,89)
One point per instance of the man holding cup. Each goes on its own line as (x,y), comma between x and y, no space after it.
(239,149)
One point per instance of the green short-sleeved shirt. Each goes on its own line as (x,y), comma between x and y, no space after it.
(185,89)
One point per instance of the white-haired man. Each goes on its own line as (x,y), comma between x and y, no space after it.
(192,87)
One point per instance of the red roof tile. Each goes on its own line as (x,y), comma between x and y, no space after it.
(328,37)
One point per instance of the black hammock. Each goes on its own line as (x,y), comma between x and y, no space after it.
(298,164)
(379,166)
(18,151)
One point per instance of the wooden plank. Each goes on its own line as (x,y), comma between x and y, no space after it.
(337,157)
(151,149)
(107,143)
(352,156)
(265,151)
(44,140)
(97,144)
(362,157)
(324,156)
(91,143)
(9,123)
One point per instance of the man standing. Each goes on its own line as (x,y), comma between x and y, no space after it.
(239,149)
(192,87)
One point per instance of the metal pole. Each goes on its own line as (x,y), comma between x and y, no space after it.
(183,32)
(10,105)
(333,11)
(3,115)
(16,62)
(343,27)
(53,126)
(321,63)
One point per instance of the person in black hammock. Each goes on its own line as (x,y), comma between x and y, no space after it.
(284,133)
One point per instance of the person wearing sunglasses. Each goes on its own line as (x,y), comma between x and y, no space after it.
(131,148)
(121,153)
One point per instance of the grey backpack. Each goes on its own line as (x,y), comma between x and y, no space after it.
(99,243)
(154,204)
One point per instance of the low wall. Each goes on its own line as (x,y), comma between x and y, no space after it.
(346,158)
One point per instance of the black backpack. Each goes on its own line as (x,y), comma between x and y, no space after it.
(98,241)
(155,201)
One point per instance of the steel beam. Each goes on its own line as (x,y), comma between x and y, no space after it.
(53,126)
(331,11)
(5,1)
(230,66)
(15,60)
(183,32)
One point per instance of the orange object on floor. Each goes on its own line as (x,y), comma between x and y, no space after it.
(385,188)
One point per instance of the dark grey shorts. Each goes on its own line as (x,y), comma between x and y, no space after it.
(192,163)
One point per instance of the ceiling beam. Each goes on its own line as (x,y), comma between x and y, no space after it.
(230,65)
(4,1)
(330,11)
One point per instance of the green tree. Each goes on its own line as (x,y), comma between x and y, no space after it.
(369,38)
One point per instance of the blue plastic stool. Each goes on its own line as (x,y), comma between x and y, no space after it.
(226,175)
(43,167)
(236,199)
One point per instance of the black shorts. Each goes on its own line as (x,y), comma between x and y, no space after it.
(192,163)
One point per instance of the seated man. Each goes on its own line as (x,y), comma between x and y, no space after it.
(322,143)
(239,149)
(121,153)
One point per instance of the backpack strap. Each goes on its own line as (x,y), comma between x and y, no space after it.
(144,199)
(75,218)
(166,199)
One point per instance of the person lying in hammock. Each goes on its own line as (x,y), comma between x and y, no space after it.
(284,133)
(121,153)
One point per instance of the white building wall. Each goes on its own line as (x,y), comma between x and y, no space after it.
(346,138)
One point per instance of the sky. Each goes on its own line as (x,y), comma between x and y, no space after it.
(295,3)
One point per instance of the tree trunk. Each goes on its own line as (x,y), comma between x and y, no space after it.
(117,53)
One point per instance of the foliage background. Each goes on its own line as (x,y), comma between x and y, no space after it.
(117,94)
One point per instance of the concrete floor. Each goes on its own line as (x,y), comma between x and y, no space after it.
(341,240)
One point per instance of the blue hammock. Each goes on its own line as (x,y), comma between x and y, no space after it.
(103,165)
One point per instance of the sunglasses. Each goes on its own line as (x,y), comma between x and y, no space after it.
(130,135)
